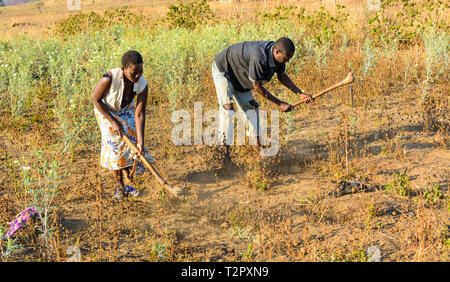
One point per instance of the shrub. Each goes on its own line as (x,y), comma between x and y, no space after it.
(189,14)
(281,13)
(91,22)
(79,23)
(407,24)
(322,25)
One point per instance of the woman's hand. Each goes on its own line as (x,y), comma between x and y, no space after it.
(117,127)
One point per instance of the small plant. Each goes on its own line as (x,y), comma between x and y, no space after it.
(258,180)
(259,174)
(248,255)
(345,42)
(399,184)
(9,249)
(437,60)
(446,237)
(321,52)
(290,125)
(359,256)
(323,255)
(371,214)
(433,194)
(340,148)
(41,183)
(159,250)
(370,58)
(239,229)
(240,224)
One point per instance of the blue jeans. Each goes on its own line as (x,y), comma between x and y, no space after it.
(248,115)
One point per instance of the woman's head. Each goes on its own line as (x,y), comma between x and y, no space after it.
(132,65)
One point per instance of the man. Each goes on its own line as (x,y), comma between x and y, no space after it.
(247,66)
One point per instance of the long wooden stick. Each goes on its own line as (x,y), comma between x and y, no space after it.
(349,79)
(177,191)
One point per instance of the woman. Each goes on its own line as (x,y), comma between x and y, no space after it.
(116,115)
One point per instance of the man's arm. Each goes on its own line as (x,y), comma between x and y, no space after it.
(140,117)
(286,81)
(284,107)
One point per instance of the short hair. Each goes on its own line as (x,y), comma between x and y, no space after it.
(285,45)
(131,58)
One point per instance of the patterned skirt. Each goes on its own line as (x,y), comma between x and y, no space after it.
(115,153)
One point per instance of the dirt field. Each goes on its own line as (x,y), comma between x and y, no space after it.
(220,217)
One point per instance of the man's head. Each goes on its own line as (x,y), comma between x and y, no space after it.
(283,50)
(132,65)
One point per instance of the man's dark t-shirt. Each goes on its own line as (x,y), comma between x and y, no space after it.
(247,62)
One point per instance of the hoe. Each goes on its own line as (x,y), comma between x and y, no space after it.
(177,191)
(349,79)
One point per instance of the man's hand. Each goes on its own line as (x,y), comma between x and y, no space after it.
(306,97)
(286,81)
(140,148)
(285,107)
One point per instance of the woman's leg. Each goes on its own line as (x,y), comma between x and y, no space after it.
(127,174)
(118,174)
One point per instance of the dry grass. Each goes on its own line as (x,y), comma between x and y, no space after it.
(36,18)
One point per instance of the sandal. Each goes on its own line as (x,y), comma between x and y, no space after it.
(118,195)
(132,191)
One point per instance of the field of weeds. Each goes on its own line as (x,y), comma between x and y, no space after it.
(385,137)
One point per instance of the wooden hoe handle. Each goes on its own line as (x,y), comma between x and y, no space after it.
(349,79)
(174,190)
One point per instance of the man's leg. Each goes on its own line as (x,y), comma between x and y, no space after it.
(224,93)
(255,105)
(222,138)
(248,110)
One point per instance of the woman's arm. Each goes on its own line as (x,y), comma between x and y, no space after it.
(140,117)
(99,92)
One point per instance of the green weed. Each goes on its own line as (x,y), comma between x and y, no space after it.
(399,185)
(434,193)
